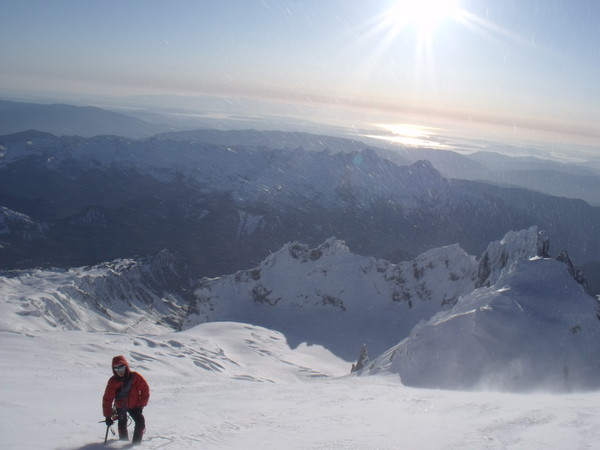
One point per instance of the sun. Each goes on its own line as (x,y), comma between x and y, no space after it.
(422,15)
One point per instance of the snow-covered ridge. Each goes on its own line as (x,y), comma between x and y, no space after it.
(535,328)
(124,295)
(329,296)
(302,291)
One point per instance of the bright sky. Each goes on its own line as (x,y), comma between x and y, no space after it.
(519,63)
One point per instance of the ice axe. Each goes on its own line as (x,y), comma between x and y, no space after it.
(108,427)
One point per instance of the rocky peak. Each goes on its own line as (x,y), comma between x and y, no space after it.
(513,247)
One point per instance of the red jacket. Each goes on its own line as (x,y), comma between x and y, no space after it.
(138,394)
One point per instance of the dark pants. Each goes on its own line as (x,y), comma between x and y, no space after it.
(138,420)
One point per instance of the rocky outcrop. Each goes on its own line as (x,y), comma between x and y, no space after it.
(362,361)
(574,271)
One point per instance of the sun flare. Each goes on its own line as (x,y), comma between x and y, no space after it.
(423,15)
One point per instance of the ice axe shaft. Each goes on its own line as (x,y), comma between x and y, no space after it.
(108,427)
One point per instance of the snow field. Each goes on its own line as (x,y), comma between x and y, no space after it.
(237,386)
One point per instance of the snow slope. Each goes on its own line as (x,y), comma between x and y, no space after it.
(235,386)
(230,385)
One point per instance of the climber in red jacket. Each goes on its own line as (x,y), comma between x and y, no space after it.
(130,393)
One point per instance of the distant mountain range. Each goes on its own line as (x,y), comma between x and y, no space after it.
(68,120)
(74,201)
(578,181)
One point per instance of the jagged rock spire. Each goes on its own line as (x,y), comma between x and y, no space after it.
(363,359)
